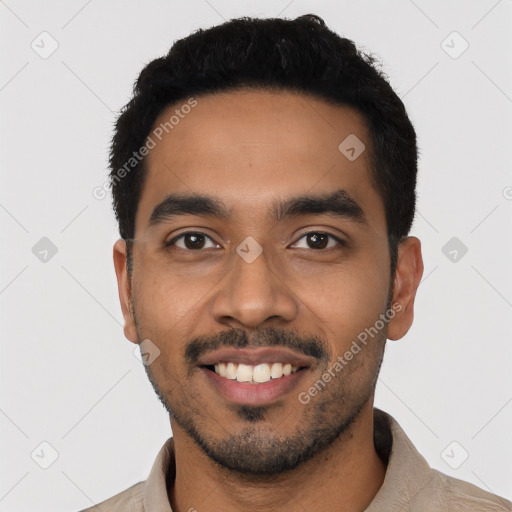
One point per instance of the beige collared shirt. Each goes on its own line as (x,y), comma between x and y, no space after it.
(410,485)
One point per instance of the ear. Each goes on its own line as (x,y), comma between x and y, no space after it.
(408,274)
(124,288)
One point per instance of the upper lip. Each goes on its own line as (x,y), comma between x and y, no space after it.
(255,356)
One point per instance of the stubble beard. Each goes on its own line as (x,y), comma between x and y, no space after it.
(258,450)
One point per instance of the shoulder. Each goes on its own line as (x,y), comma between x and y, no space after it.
(445,493)
(411,485)
(129,500)
(459,496)
(150,494)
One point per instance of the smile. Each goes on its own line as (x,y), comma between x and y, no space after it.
(255,374)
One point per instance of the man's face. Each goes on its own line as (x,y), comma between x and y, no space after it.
(321,279)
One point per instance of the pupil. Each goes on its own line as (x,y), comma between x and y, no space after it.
(319,240)
(197,241)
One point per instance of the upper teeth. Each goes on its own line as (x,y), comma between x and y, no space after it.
(254,373)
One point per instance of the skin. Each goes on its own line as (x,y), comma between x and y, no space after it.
(248,149)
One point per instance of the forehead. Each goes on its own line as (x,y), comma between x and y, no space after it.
(247,148)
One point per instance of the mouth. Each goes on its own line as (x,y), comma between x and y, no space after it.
(254,376)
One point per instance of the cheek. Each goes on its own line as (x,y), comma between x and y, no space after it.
(348,300)
(164,296)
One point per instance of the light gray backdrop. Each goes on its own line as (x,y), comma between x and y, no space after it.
(70,380)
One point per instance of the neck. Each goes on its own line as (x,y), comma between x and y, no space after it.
(345,477)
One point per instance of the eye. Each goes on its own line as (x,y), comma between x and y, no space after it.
(191,241)
(320,240)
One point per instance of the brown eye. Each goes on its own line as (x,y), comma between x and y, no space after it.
(191,241)
(318,240)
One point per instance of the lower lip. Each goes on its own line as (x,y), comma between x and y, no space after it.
(245,393)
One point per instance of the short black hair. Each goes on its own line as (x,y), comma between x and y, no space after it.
(301,55)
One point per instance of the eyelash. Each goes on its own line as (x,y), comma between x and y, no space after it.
(171,242)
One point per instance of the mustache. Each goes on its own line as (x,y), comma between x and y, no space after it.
(310,345)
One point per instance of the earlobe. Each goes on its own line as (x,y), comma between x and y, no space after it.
(124,289)
(408,274)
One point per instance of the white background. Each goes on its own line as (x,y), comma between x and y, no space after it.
(69,377)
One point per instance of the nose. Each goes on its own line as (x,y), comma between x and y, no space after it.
(253,295)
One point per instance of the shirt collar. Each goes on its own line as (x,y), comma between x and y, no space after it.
(407,473)
(163,471)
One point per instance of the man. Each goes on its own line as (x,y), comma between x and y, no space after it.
(264,177)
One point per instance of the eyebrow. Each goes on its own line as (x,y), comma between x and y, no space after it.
(337,204)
